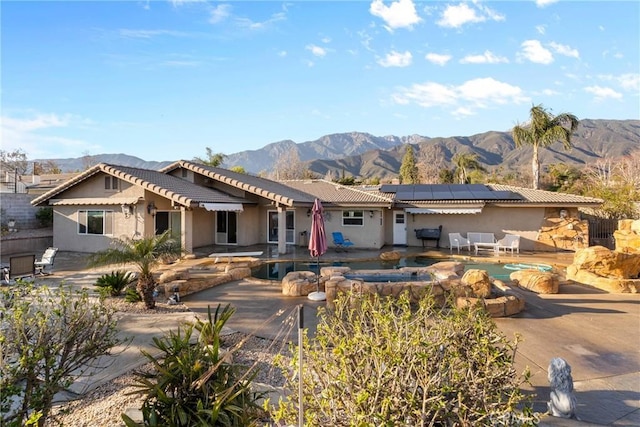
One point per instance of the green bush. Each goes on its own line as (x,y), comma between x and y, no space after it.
(131,295)
(381,362)
(45,216)
(196,384)
(49,338)
(115,282)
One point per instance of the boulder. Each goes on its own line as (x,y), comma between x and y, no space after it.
(609,284)
(171,275)
(541,282)
(445,270)
(239,273)
(300,283)
(390,256)
(478,281)
(607,263)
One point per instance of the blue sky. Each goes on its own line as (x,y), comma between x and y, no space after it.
(162,80)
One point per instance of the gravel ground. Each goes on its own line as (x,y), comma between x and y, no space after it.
(104,405)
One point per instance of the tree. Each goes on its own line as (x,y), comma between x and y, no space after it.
(211,159)
(14,162)
(238,169)
(289,166)
(47,167)
(464,162)
(543,130)
(431,161)
(50,337)
(145,253)
(408,168)
(88,160)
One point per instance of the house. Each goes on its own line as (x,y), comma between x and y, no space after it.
(204,205)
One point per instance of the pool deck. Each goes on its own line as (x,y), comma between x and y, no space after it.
(596,332)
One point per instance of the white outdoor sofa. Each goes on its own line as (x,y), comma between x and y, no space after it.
(483,241)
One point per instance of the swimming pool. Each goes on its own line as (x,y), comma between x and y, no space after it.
(278,270)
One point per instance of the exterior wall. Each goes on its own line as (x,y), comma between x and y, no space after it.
(65,227)
(17,206)
(525,222)
(368,236)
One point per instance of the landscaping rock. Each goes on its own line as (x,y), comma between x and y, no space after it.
(478,281)
(300,283)
(390,256)
(537,281)
(607,263)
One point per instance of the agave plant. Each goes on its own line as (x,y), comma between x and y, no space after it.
(146,253)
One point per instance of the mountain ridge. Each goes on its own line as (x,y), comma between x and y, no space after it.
(363,155)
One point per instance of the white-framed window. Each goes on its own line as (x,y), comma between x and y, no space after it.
(98,222)
(353,218)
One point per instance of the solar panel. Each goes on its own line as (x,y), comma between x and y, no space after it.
(447,192)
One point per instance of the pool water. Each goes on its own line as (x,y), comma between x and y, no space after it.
(278,270)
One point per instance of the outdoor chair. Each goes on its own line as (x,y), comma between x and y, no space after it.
(457,241)
(510,241)
(340,241)
(46,261)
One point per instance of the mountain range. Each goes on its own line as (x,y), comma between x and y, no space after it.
(363,155)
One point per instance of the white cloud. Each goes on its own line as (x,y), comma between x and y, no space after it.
(487,57)
(475,93)
(629,82)
(437,58)
(282,53)
(30,135)
(457,16)
(550,92)
(541,29)
(396,59)
(220,13)
(532,50)
(399,14)
(544,3)
(463,112)
(601,93)
(564,50)
(318,51)
(254,25)
(148,34)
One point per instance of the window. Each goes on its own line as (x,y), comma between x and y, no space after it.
(353,218)
(95,222)
(110,183)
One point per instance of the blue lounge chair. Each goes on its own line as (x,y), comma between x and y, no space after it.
(340,241)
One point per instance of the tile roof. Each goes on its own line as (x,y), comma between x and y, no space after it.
(176,189)
(337,194)
(263,187)
(531,196)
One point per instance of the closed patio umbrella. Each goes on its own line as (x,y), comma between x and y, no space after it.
(317,244)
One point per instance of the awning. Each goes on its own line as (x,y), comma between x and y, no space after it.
(444,211)
(229,207)
(95,201)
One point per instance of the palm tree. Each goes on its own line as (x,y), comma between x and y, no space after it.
(212,159)
(464,162)
(543,130)
(145,253)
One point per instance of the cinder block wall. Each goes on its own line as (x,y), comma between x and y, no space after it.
(18,207)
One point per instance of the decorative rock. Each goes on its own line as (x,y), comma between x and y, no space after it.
(608,284)
(606,263)
(300,283)
(171,275)
(390,256)
(479,282)
(537,281)
(239,273)
(189,256)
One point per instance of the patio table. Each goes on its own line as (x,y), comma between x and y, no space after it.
(486,245)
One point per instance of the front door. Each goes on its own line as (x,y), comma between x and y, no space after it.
(226,228)
(272,226)
(399,228)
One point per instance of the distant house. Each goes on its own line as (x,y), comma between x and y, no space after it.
(204,206)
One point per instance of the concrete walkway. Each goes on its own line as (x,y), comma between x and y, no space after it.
(596,332)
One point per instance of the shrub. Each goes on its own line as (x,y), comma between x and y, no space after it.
(131,295)
(45,216)
(197,384)
(115,282)
(49,338)
(381,362)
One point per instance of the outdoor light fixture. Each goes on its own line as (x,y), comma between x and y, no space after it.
(151,209)
(563,213)
(308,212)
(126,210)
(370,214)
